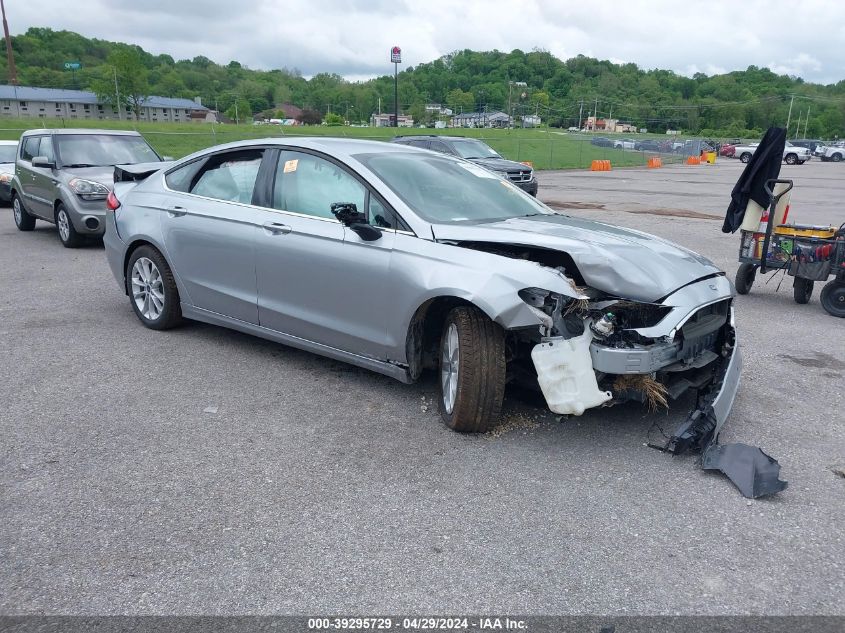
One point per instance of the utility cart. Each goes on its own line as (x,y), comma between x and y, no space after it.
(807,253)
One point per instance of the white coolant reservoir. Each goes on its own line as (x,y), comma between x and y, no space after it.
(565,373)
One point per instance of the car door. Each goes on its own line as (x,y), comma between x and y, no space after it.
(318,280)
(209,224)
(34,181)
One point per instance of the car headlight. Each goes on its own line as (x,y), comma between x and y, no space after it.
(5,178)
(88,189)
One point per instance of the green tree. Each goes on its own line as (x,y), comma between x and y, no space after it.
(333,119)
(123,73)
(239,111)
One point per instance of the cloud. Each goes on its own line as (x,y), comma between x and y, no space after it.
(353,37)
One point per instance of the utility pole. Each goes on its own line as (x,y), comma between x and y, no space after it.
(10,54)
(117,103)
(596,115)
(580,113)
(789,116)
(797,127)
(807,122)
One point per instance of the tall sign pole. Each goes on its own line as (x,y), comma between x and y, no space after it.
(396,58)
(10,55)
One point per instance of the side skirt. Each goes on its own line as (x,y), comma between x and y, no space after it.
(398,372)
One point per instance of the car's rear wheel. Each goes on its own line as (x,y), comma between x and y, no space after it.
(746,157)
(745,275)
(152,289)
(802,290)
(836,158)
(472,371)
(791,159)
(833,298)
(67,234)
(23,220)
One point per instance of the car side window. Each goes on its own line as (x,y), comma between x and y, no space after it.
(180,179)
(309,184)
(46,148)
(440,146)
(421,144)
(230,176)
(30,148)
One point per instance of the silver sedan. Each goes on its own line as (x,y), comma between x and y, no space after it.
(401,260)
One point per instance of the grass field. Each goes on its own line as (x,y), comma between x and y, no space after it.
(544,148)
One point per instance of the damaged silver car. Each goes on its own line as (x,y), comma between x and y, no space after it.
(401,260)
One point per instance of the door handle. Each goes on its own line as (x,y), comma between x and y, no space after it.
(276,228)
(175,211)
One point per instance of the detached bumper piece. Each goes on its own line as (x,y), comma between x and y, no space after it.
(753,472)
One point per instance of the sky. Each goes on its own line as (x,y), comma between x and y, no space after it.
(353,37)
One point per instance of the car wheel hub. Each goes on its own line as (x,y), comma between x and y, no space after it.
(17,211)
(64,227)
(147,288)
(449,357)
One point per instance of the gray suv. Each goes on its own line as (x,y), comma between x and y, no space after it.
(475,151)
(63,176)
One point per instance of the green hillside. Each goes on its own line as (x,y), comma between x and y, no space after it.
(740,103)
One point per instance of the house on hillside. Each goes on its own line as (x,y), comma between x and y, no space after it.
(291,112)
(53,103)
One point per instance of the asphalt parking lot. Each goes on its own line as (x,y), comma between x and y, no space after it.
(201,471)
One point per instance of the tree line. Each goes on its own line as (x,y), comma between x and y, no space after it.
(563,92)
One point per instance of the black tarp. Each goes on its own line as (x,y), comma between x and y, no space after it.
(764,165)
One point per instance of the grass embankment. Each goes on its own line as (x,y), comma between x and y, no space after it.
(546,149)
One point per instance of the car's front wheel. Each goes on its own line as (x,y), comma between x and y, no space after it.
(23,220)
(746,157)
(836,158)
(472,371)
(67,234)
(152,289)
(791,159)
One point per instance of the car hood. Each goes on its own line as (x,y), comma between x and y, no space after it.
(499,164)
(619,261)
(7,168)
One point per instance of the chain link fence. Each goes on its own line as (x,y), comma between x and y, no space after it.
(543,148)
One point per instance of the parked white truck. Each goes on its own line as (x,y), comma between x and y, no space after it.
(833,153)
(792,154)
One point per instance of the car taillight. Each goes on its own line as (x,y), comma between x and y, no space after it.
(112,203)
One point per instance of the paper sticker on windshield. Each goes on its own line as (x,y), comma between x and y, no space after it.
(291,165)
(478,171)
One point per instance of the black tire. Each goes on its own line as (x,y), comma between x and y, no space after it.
(23,220)
(791,159)
(836,158)
(745,157)
(802,290)
(745,276)
(480,379)
(832,298)
(170,313)
(67,233)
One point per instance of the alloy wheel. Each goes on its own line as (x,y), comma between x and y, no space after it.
(64,225)
(147,288)
(16,206)
(449,358)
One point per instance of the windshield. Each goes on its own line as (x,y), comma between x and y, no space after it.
(470,148)
(8,153)
(443,189)
(98,150)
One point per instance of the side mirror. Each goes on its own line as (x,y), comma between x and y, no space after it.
(44,162)
(348,215)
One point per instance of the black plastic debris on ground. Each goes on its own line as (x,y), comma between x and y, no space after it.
(749,468)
